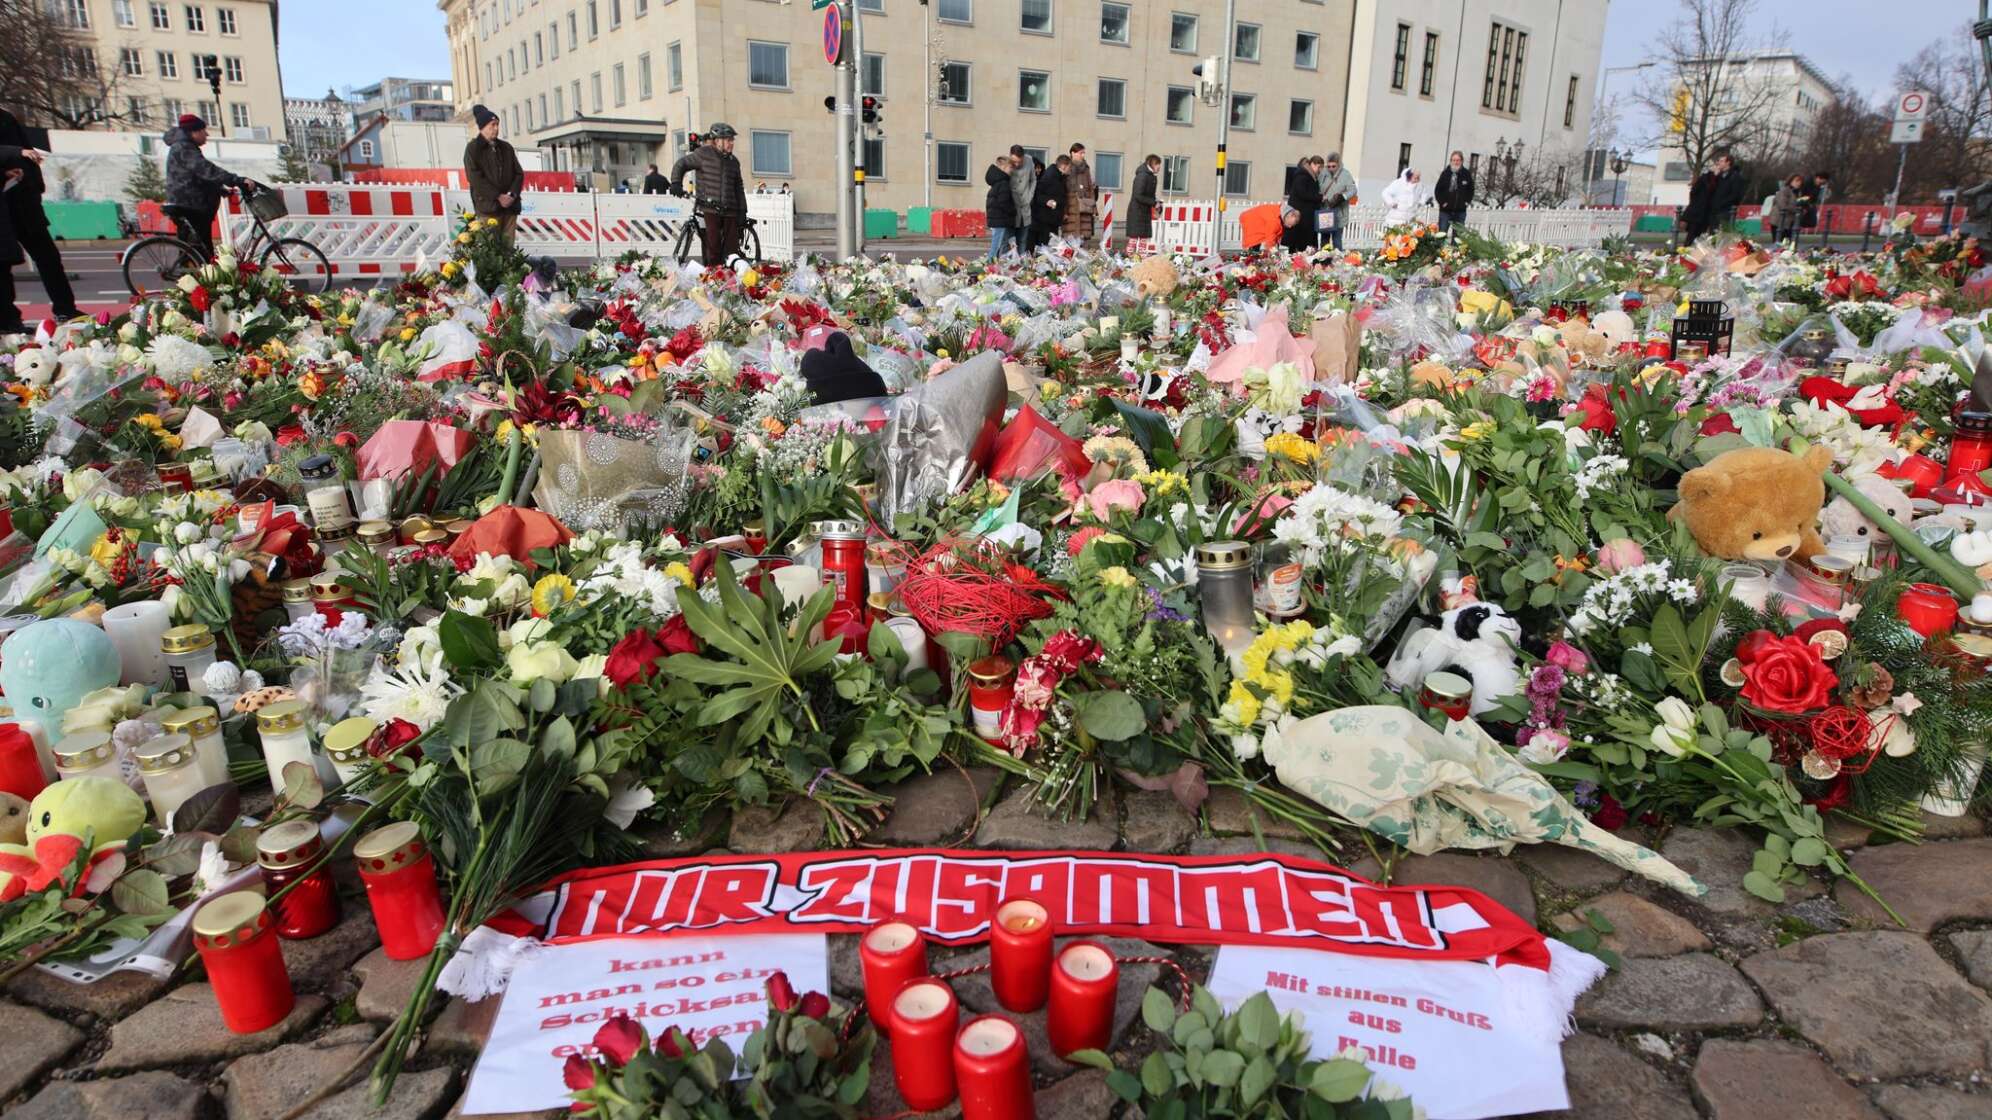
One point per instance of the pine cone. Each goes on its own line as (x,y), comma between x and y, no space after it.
(1878,687)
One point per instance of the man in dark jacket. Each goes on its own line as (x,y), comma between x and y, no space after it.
(194,185)
(655,182)
(1453,192)
(24,207)
(15,166)
(492,169)
(1303,201)
(1000,207)
(722,194)
(1713,200)
(1047,205)
(1141,199)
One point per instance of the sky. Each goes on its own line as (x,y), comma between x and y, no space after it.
(342,43)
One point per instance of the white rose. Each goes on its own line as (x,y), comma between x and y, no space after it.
(513,592)
(128,332)
(1674,735)
(529,663)
(188,282)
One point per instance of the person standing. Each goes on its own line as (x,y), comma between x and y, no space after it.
(1713,199)
(1303,202)
(1048,203)
(1023,188)
(1141,200)
(722,192)
(1454,193)
(1338,193)
(655,183)
(194,185)
(1819,190)
(14,166)
(492,169)
(1000,207)
(30,221)
(1786,209)
(1082,196)
(1401,199)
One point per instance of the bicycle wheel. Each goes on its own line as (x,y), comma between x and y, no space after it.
(687,234)
(154,264)
(303,265)
(749,252)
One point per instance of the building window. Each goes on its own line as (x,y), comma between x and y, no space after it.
(615,14)
(642,8)
(231,69)
(573,32)
(617,80)
(553,39)
(1306,50)
(125,14)
(1501,91)
(594,19)
(1570,104)
(595,92)
(75,13)
(490,74)
(162,18)
(1244,110)
(1034,91)
(1041,155)
(172,107)
(956,11)
(1400,57)
(643,90)
(1300,118)
(876,6)
(132,62)
(366,151)
(575,87)
(559,104)
(1112,99)
(1238,178)
(674,66)
(1035,16)
(169,64)
(238,115)
(1182,33)
(767,65)
(871,75)
(135,110)
(539,49)
(950,162)
(1403,157)
(1181,107)
(1431,64)
(1114,23)
(955,88)
(1107,170)
(544,119)
(1515,81)
(875,157)
(196,19)
(1246,44)
(1175,174)
(225,20)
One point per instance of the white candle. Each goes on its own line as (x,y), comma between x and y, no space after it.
(988,1036)
(797,583)
(891,937)
(1161,320)
(921,1001)
(134,630)
(1086,962)
(912,639)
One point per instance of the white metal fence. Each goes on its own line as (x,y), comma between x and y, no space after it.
(1188,226)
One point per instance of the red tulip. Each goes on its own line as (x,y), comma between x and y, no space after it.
(579,1073)
(619,1040)
(781,993)
(815,1005)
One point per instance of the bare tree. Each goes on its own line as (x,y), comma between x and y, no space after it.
(1956,149)
(1539,178)
(49,70)
(1849,138)
(1706,97)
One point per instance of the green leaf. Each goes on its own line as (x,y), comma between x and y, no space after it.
(1223,1068)
(176,855)
(1110,716)
(1156,1077)
(1258,1077)
(1259,1022)
(141,892)
(1091,1058)
(470,643)
(1125,1085)
(212,810)
(558,738)
(1339,1080)
(1158,1011)
(541,695)
(1809,852)
(1763,886)
(303,789)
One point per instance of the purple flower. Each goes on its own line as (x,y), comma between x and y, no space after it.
(1160,612)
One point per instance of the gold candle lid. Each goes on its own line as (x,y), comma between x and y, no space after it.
(291,844)
(195,723)
(412,525)
(84,750)
(284,715)
(346,741)
(297,590)
(231,919)
(186,639)
(376,533)
(1223,555)
(458,526)
(163,753)
(390,847)
(430,536)
(1448,686)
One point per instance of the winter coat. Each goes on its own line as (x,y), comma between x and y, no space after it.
(1023,188)
(1082,200)
(1048,204)
(1784,208)
(1001,204)
(193,183)
(1141,204)
(1337,191)
(1400,201)
(1454,190)
(25,200)
(492,168)
(1714,198)
(1303,197)
(12,159)
(656,183)
(720,185)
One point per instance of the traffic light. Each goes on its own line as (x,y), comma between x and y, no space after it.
(1207,87)
(830,103)
(870,110)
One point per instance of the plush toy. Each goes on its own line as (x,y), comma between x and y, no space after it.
(1478,641)
(51,665)
(1616,326)
(1155,277)
(59,818)
(13,819)
(1841,520)
(1756,503)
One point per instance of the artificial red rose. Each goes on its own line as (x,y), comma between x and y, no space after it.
(1856,287)
(393,738)
(634,659)
(578,1073)
(781,993)
(619,1039)
(1835,795)
(199,298)
(1753,643)
(1823,391)
(1593,412)
(676,636)
(815,1005)
(1718,424)
(1068,650)
(1787,675)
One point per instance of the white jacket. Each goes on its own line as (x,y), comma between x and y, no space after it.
(1400,201)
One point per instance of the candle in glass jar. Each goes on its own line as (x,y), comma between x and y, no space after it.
(346,745)
(893,955)
(202,725)
(285,738)
(286,854)
(1080,1015)
(400,877)
(166,766)
(86,754)
(236,937)
(797,583)
(188,651)
(912,639)
(1224,593)
(924,1017)
(135,630)
(1020,954)
(991,682)
(1927,608)
(993,1071)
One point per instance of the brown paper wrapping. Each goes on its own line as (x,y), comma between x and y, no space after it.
(1338,343)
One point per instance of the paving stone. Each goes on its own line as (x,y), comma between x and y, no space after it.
(418,1095)
(1016,822)
(1874,1001)
(142,1096)
(663,842)
(35,1043)
(1229,811)
(184,1026)
(1845,834)
(1952,828)
(263,1086)
(1247,846)
(1750,1079)
(1694,991)
(1154,822)
(1822,915)
(1639,928)
(847,969)
(1083,1096)
(113,997)
(1606,1083)
(1497,878)
(795,826)
(1974,948)
(936,808)
(315,963)
(882,1095)
(978,998)
(463,1027)
(386,985)
(1720,858)
(1927,884)
(1570,868)
(1916,1102)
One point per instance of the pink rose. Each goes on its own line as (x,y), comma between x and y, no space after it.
(1569,658)
(1615,556)
(1115,495)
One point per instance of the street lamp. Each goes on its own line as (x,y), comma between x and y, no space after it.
(1508,156)
(1618,172)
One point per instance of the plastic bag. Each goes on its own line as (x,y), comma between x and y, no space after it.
(452,350)
(1417,319)
(1029,445)
(370,321)
(1913,332)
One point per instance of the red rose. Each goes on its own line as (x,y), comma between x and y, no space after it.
(673,1043)
(1609,814)
(781,993)
(1787,675)
(619,1039)
(677,637)
(393,738)
(1594,412)
(815,1005)
(579,1073)
(633,659)
(1718,424)
(199,298)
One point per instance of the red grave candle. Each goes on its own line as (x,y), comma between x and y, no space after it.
(893,955)
(287,854)
(400,877)
(1020,955)
(1083,985)
(1927,608)
(924,1019)
(993,1071)
(21,772)
(237,941)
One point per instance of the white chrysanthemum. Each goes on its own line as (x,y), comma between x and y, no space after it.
(418,693)
(175,359)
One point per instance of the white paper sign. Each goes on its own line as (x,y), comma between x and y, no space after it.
(708,987)
(1435,1028)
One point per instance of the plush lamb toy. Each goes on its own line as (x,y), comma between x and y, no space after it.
(1840,520)
(1478,641)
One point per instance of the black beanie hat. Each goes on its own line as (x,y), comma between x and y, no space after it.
(836,373)
(482,115)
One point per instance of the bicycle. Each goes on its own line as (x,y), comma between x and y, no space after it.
(691,248)
(156,263)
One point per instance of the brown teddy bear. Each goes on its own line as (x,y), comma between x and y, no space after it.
(1155,277)
(1756,503)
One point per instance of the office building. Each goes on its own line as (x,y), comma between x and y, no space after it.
(403,99)
(1781,93)
(154,56)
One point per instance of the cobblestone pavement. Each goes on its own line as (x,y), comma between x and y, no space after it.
(1819,1008)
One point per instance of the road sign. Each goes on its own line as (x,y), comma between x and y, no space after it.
(819,5)
(1912,105)
(833,34)
(1906,132)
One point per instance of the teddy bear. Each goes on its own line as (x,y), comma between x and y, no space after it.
(59,818)
(1841,521)
(13,819)
(1756,503)
(1155,277)
(1476,640)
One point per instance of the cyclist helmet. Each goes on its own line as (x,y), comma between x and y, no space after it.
(720,131)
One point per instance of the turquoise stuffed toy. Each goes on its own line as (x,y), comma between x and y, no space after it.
(49,666)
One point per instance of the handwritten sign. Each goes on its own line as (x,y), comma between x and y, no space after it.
(708,987)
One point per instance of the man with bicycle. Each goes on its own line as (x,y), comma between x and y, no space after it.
(722,194)
(194,185)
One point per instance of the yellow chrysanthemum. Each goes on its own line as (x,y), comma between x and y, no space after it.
(149,420)
(1163,483)
(1117,576)
(550,592)
(680,571)
(1292,447)
(1247,705)
(408,334)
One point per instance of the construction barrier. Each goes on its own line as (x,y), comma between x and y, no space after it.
(390,230)
(1842,218)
